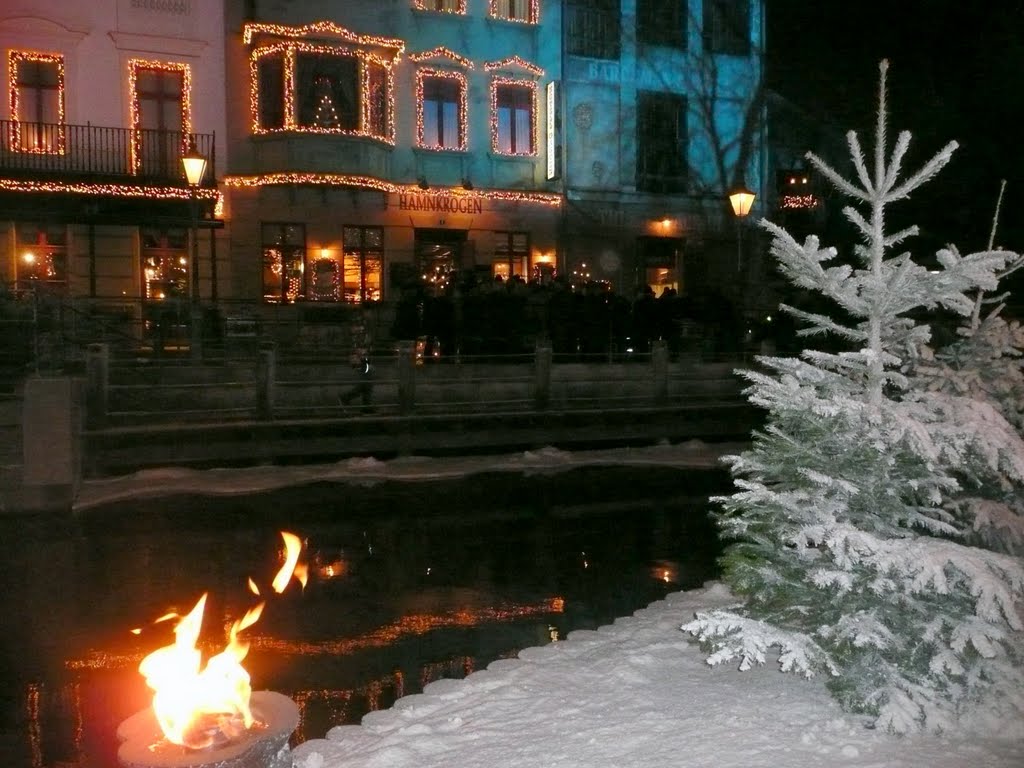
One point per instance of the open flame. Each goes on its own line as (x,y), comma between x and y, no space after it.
(199,706)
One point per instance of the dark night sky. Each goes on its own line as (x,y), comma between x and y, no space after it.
(956,73)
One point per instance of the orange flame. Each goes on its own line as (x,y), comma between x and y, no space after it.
(198,706)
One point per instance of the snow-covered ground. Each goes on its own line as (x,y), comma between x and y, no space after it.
(634,693)
(369,471)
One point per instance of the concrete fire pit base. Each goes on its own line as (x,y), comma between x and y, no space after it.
(263,746)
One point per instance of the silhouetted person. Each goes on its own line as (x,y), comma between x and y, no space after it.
(363,388)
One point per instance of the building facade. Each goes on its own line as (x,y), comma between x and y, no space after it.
(102,100)
(363,151)
(378,148)
(663,117)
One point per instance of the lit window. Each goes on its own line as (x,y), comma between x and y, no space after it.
(284,262)
(514,116)
(363,264)
(42,255)
(514,10)
(37,102)
(164,264)
(511,254)
(445,6)
(441,106)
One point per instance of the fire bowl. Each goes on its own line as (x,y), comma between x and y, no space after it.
(265,745)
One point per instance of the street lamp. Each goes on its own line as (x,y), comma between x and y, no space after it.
(194,164)
(741,199)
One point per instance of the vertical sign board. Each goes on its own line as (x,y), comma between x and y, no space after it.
(554,149)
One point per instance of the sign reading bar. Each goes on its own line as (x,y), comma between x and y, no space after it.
(554,169)
(441,203)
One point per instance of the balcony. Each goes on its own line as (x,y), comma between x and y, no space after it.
(63,153)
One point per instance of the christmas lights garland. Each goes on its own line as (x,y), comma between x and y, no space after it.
(380,185)
(496,83)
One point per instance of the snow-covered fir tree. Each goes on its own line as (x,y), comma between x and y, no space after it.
(985,363)
(847,554)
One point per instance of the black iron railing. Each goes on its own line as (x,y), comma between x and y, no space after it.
(52,151)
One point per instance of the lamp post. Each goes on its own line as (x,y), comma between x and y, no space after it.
(194,164)
(741,199)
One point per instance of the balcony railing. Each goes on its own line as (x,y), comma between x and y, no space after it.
(59,151)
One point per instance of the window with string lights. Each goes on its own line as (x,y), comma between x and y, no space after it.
(37,102)
(363,264)
(513,116)
(314,88)
(440,109)
(284,262)
(526,11)
(443,6)
(42,255)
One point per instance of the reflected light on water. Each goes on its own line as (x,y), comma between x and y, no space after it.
(410,625)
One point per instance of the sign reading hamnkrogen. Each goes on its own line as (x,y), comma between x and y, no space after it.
(441,203)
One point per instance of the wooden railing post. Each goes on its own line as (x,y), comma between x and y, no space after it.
(266,377)
(97,384)
(406,376)
(659,369)
(542,375)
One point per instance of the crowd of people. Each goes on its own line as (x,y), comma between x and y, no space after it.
(500,317)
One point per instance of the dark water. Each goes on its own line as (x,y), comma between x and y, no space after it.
(408,583)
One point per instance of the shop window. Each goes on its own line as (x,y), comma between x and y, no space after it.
(442,109)
(659,257)
(284,262)
(514,10)
(165,267)
(37,102)
(439,257)
(363,264)
(727,27)
(661,142)
(515,117)
(42,255)
(661,22)
(592,28)
(511,255)
(446,6)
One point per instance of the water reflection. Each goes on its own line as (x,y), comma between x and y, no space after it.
(392,604)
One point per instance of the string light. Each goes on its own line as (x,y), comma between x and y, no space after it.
(495,13)
(114,190)
(425,73)
(380,185)
(496,84)
(514,61)
(460,7)
(798,201)
(252,29)
(14,59)
(134,67)
(442,53)
(369,63)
